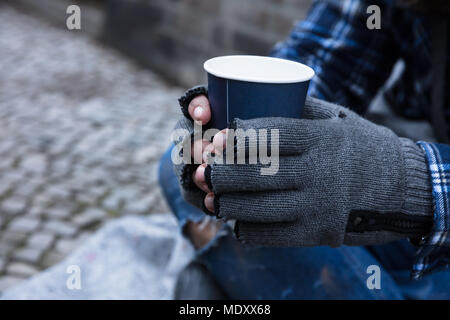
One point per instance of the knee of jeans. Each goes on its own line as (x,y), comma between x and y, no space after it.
(166,175)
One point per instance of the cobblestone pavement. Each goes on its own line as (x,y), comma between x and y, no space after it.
(81,132)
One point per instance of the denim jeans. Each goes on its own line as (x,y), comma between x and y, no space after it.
(250,272)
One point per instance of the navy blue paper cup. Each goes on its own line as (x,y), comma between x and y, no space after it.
(249,87)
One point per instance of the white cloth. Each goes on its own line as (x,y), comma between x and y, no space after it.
(129,258)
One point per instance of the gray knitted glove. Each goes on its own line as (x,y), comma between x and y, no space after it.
(341,180)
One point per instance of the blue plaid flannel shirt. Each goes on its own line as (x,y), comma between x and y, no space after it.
(353,62)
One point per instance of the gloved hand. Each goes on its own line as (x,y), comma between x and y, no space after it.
(341,180)
(186,146)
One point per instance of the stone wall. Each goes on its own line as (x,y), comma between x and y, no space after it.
(175,37)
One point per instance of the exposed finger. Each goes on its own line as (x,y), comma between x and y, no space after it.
(260,206)
(277,173)
(199,109)
(208,154)
(220,141)
(198,147)
(199,178)
(209,202)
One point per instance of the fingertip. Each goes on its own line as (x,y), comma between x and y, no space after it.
(199,178)
(220,140)
(208,154)
(209,202)
(199,109)
(200,173)
(206,115)
(198,149)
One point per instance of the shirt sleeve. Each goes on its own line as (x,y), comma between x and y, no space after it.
(351,61)
(434,251)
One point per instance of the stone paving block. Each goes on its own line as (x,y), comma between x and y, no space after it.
(88,198)
(58,213)
(57,192)
(95,159)
(13,237)
(119,196)
(98,191)
(41,200)
(76,184)
(146,154)
(124,176)
(41,240)
(61,228)
(27,189)
(89,217)
(35,163)
(4,188)
(2,263)
(5,249)
(112,201)
(21,269)
(35,211)
(51,258)
(159,205)
(141,205)
(24,224)
(61,166)
(30,255)
(13,205)
(12,178)
(6,146)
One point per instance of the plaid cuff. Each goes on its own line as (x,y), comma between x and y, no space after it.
(434,251)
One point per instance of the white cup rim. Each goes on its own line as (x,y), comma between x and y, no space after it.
(258,69)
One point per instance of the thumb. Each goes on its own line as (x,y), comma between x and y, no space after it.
(319,109)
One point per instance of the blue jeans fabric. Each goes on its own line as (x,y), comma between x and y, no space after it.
(249,272)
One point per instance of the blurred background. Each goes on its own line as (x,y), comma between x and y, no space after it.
(86,114)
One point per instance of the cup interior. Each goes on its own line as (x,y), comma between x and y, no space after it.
(258,69)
